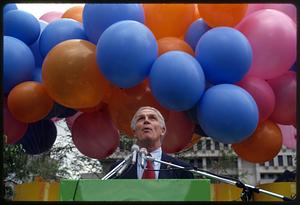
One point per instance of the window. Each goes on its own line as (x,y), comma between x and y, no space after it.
(217,146)
(200,163)
(225,146)
(290,160)
(208,145)
(271,162)
(192,162)
(280,160)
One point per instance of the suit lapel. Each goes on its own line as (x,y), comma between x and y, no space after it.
(163,173)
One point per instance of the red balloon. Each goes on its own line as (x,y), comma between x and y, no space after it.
(13,129)
(94,134)
(284,88)
(70,120)
(262,93)
(179,132)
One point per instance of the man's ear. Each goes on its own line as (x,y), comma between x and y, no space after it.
(163,131)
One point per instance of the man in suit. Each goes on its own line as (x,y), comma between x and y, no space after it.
(149,129)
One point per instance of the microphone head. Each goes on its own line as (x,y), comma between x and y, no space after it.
(135,148)
(143,150)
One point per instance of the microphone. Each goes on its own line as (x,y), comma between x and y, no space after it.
(143,153)
(134,149)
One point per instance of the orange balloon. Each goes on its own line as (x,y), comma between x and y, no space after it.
(171,44)
(29,102)
(197,14)
(72,76)
(222,14)
(125,102)
(74,13)
(169,19)
(262,146)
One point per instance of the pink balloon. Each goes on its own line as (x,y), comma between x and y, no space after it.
(284,88)
(13,129)
(51,16)
(262,93)
(179,132)
(272,35)
(95,135)
(289,136)
(70,120)
(288,9)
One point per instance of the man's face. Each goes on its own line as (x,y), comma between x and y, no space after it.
(148,129)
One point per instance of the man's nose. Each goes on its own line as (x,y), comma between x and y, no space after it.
(146,121)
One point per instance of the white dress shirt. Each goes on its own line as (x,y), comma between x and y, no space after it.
(156,154)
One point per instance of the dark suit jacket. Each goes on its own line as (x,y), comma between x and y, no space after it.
(166,172)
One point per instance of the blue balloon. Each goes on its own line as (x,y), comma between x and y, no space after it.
(21,25)
(98,17)
(125,53)
(37,75)
(227,113)
(18,62)
(39,137)
(59,31)
(195,31)
(35,47)
(225,55)
(9,7)
(177,80)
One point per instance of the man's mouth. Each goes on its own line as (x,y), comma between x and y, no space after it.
(147,129)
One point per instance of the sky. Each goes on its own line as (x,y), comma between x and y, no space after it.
(39,9)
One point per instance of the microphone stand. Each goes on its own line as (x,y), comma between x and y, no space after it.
(247,189)
(117,168)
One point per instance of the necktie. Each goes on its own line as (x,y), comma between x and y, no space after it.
(149,173)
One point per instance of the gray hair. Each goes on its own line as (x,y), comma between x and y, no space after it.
(160,117)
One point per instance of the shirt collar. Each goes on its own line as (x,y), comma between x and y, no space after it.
(157,153)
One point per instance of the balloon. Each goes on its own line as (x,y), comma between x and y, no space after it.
(71,75)
(70,120)
(21,25)
(289,136)
(74,13)
(288,9)
(29,102)
(195,139)
(59,31)
(13,128)
(94,135)
(98,17)
(294,68)
(171,44)
(262,146)
(18,63)
(166,20)
(262,93)
(9,7)
(179,132)
(125,53)
(39,137)
(37,75)
(222,14)
(284,88)
(272,35)
(51,16)
(195,31)
(35,48)
(225,55)
(132,99)
(227,113)
(177,80)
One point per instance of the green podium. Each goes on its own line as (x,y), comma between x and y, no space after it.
(136,190)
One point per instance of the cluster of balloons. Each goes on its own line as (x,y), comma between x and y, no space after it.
(226,71)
